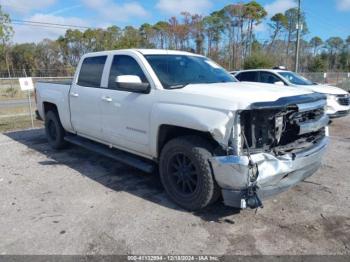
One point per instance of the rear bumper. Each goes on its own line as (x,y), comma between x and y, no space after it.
(276,174)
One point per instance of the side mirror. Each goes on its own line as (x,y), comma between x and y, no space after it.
(279,83)
(132,83)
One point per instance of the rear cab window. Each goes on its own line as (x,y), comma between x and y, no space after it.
(248,76)
(91,71)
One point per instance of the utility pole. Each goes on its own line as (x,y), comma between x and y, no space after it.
(299,28)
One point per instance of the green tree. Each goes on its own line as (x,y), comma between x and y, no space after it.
(162,29)
(317,64)
(233,18)
(73,47)
(347,42)
(131,38)
(292,20)
(258,60)
(6,33)
(334,46)
(147,33)
(113,35)
(213,27)
(197,32)
(23,57)
(47,57)
(316,42)
(254,13)
(278,23)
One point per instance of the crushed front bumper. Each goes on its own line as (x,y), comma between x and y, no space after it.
(276,174)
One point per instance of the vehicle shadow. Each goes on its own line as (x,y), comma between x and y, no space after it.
(111,174)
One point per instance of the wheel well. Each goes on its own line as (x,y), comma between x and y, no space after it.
(50,107)
(168,132)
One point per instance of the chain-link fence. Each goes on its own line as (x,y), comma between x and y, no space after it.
(14,103)
(339,79)
(15,110)
(61,72)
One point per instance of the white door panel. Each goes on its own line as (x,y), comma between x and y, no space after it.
(125,115)
(125,119)
(85,97)
(85,110)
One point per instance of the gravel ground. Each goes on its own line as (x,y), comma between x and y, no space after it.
(76,202)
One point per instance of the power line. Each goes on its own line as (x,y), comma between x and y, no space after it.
(46,23)
(43,26)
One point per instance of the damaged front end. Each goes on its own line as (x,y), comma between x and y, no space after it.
(274,145)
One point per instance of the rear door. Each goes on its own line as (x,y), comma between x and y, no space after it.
(85,96)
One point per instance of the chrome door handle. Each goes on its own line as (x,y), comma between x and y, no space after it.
(107,99)
(74,94)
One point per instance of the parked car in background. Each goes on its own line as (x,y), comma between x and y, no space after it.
(208,134)
(338,100)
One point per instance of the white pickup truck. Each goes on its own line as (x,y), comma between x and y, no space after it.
(209,135)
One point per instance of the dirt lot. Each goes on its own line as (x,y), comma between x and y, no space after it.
(76,202)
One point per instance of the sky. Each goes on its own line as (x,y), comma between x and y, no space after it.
(325,18)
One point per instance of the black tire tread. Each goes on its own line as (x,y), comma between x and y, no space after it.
(201,150)
(60,143)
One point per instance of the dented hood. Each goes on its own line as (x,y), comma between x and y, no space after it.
(238,94)
(211,107)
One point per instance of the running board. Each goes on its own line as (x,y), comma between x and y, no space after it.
(116,154)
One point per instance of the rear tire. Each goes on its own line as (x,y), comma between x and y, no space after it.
(186,174)
(54,130)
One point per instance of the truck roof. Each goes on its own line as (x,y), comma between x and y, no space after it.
(146,52)
(260,69)
(164,52)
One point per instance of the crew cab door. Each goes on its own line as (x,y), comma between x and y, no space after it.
(126,114)
(85,97)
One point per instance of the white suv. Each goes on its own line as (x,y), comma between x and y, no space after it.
(338,100)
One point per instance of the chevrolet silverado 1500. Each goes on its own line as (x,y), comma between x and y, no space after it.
(209,135)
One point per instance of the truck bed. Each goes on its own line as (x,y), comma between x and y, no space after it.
(56,93)
(57,82)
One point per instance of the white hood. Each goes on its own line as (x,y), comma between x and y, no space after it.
(235,95)
(325,89)
(244,91)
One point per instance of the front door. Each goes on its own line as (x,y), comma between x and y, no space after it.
(126,115)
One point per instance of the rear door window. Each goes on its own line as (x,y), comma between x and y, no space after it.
(248,76)
(91,71)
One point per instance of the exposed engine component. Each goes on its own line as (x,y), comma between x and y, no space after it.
(282,130)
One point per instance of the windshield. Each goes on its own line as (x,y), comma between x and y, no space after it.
(296,79)
(177,71)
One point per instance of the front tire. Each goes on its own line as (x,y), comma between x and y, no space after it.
(186,174)
(54,130)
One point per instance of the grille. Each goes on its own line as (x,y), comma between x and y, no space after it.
(343,100)
(307,116)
